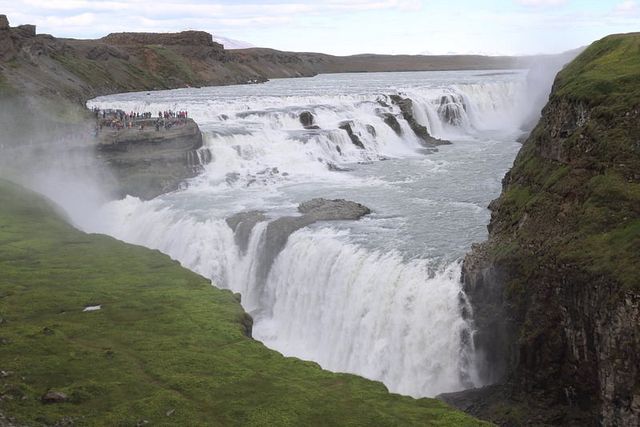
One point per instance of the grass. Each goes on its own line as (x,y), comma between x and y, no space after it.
(166,347)
(605,74)
(172,65)
(581,210)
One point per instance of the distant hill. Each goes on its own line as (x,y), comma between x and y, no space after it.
(81,69)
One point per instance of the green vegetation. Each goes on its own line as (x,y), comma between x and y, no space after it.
(166,347)
(607,73)
(171,65)
(5,87)
(580,207)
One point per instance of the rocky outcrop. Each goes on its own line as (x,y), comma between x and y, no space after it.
(184,38)
(149,162)
(355,138)
(242,224)
(406,108)
(279,230)
(555,290)
(7,48)
(308,120)
(391,121)
(105,52)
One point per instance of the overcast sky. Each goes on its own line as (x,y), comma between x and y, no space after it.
(348,26)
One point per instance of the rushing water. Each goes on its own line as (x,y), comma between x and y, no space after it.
(381,296)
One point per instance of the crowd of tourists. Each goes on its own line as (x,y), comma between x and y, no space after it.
(119,119)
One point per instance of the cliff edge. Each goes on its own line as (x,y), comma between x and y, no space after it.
(556,288)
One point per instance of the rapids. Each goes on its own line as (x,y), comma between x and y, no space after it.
(379,297)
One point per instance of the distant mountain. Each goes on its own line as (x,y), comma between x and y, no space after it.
(467,53)
(231,43)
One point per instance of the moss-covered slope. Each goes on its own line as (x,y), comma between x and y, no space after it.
(557,286)
(166,347)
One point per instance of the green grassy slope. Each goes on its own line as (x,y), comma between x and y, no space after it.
(576,182)
(166,347)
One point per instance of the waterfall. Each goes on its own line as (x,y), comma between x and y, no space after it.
(353,296)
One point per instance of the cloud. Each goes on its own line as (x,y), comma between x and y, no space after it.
(540,3)
(627,7)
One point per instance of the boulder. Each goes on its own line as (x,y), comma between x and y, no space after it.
(308,120)
(355,139)
(54,397)
(331,210)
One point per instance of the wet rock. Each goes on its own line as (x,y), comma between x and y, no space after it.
(355,139)
(308,120)
(391,121)
(406,108)
(371,130)
(242,224)
(327,210)
(335,168)
(53,397)
(279,230)
(449,109)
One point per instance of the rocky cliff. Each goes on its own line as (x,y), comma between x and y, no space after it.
(151,161)
(556,288)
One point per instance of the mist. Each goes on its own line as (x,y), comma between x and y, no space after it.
(49,148)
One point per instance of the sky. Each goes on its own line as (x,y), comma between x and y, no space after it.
(349,26)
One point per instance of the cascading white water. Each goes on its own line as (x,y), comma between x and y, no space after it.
(365,312)
(379,297)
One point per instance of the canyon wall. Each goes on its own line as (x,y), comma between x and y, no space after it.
(556,289)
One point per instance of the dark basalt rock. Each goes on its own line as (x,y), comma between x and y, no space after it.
(242,224)
(308,120)
(279,230)
(406,108)
(557,319)
(355,139)
(391,121)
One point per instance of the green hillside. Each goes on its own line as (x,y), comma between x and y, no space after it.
(165,348)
